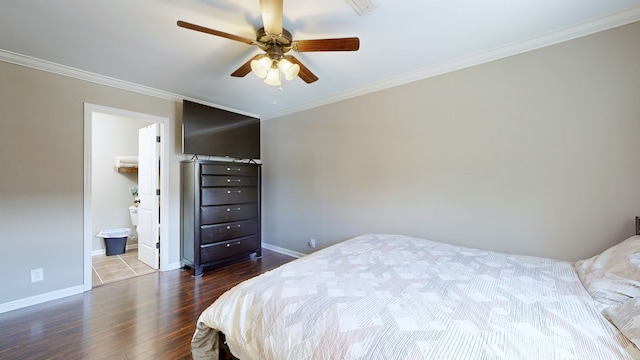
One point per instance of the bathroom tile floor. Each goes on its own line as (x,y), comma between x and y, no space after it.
(107,269)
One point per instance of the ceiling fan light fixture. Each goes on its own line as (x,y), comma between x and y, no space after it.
(289,69)
(273,76)
(276,41)
(261,66)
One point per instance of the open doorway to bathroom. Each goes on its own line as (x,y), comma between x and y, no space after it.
(111,191)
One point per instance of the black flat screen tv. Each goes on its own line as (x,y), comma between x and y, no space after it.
(216,132)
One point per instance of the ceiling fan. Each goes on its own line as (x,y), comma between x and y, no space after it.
(276,42)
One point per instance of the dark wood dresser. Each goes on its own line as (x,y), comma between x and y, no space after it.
(220,212)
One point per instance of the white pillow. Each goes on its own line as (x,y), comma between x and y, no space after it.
(613,277)
(626,317)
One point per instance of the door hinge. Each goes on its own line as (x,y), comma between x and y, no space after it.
(158,245)
(158,192)
(158,138)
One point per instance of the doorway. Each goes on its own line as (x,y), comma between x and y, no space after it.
(92,115)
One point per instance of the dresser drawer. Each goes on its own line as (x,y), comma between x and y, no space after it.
(227,213)
(229,169)
(220,196)
(227,231)
(210,181)
(228,249)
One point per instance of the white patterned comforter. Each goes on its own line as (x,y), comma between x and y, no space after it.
(397,297)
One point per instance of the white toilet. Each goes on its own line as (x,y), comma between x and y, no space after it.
(133,211)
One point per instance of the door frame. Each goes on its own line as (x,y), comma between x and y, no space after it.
(89,110)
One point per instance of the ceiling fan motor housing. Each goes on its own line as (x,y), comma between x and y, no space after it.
(275,52)
(283,40)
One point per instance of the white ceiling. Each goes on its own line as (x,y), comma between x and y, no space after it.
(138,42)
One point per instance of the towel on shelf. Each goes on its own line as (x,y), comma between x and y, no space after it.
(126,161)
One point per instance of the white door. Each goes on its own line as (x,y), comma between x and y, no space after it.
(148,188)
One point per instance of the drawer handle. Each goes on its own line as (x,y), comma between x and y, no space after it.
(234,169)
(234,191)
(230,226)
(235,243)
(234,180)
(233,209)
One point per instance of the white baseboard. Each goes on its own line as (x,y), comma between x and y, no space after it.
(283,250)
(59,294)
(39,299)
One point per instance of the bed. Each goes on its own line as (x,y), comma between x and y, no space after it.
(384,296)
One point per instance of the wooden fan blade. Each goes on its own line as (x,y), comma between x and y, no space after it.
(340,44)
(272,16)
(203,29)
(305,74)
(246,67)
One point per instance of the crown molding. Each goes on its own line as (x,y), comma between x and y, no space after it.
(39,64)
(600,24)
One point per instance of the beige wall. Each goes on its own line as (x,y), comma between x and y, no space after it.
(536,154)
(41,186)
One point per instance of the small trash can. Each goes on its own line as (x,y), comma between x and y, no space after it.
(115,240)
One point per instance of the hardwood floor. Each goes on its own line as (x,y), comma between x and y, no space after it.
(148,317)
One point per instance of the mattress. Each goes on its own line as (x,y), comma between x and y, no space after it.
(397,297)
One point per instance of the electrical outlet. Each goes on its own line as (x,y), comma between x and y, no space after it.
(312,243)
(37,275)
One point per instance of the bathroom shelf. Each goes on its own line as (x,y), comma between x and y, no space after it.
(126,169)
